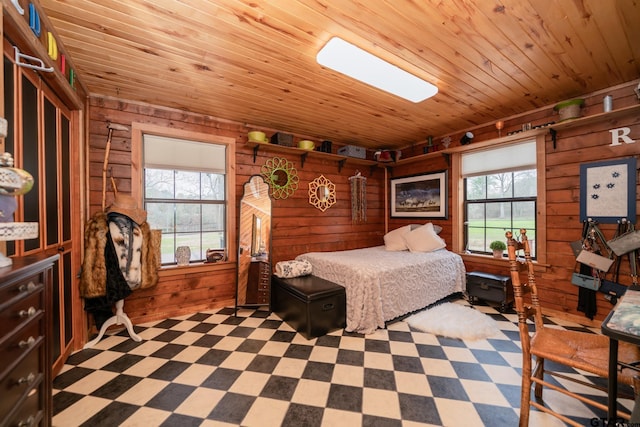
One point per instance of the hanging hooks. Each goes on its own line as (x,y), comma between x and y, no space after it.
(39,66)
(357,175)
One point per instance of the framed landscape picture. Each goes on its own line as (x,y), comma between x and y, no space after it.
(420,196)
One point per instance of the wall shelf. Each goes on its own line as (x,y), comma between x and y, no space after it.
(552,129)
(594,118)
(341,160)
(446,153)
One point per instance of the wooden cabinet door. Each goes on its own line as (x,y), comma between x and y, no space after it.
(40,142)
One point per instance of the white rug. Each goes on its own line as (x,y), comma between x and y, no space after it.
(454,321)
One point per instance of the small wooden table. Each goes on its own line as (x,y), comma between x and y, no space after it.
(618,328)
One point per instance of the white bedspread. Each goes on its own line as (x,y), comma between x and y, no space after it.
(382,285)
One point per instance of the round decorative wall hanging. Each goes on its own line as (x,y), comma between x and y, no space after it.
(322,193)
(282,176)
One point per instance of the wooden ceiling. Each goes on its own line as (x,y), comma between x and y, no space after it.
(253,61)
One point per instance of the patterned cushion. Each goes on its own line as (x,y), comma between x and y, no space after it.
(293,268)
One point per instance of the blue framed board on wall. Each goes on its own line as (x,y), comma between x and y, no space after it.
(608,191)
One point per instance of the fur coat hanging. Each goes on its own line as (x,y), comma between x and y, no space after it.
(93,278)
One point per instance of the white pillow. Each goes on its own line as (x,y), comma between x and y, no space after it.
(424,239)
(394,240)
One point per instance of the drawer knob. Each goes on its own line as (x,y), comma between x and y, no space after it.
(28,422)
(27,343)
(30,312)
(30,287)
(28,379)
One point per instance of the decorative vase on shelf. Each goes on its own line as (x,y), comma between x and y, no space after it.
(183,255)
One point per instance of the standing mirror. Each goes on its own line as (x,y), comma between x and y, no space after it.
(253,286)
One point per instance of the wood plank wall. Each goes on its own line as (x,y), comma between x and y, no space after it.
(581,144)
(299,227)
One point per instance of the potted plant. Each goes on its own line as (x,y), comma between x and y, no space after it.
(498,247)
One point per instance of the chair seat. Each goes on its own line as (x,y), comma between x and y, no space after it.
(588,352)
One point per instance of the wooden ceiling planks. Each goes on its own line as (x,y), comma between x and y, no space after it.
(253,61)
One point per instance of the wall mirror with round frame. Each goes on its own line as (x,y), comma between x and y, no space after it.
(322,193)
(253,286)
(282,176)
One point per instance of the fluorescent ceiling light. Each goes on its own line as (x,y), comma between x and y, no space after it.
(348,59)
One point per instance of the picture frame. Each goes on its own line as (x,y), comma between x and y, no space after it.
(608,191)
(420,196)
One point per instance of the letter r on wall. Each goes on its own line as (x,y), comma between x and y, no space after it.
(620,135)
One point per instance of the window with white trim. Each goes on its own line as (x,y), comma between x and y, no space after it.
(500,194)
(184,193)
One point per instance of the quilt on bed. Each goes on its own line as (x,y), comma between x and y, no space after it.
(381,285)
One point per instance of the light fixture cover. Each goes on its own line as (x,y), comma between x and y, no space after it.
(354,62)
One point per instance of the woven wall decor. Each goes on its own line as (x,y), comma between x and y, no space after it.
(282,177)
(358,185)
(322,193)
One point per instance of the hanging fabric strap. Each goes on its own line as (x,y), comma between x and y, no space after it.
(632,257)
(624,226)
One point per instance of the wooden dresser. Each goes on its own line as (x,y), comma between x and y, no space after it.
(25,319)
(259,283)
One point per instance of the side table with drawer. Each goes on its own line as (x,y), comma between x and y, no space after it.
(25,319)
(490,287)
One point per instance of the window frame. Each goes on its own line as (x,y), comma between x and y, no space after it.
(458,191)
(137,178)
(488,201)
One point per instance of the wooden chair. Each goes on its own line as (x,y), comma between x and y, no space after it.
(581,350)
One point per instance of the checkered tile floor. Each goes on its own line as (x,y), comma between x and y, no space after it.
(213,368)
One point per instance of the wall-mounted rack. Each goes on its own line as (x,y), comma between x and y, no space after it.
(594,118)
(304,154)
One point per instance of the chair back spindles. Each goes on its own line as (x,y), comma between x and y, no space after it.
(575,349)
(520,289)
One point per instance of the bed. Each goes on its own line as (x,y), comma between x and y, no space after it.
(382,285)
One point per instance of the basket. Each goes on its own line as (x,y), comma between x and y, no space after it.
(284,139)
(569,109)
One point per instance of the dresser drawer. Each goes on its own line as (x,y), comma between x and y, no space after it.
(26,301)
(29,413)
(16,345)
(21,312)
(259,283)
(17,383)
(17,290)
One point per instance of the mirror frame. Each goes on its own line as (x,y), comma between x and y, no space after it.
(254,241)
(272,172)
(322,184)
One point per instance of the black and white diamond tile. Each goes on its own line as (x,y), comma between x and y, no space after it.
(212,369)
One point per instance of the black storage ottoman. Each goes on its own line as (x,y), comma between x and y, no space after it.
(490,287)
(309,304)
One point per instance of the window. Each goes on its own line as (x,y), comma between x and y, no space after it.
(185,194)
(500,188)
